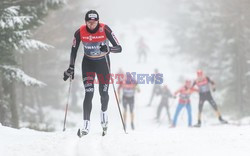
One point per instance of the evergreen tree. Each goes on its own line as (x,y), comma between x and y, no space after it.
(17,19)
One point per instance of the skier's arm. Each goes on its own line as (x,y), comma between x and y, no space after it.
(193,89)
(74,48)
(177,92)
(111,37)
(70,71)
(212,83)
(194,84)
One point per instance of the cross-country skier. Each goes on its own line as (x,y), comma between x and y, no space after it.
(95,37)
(166,94)
(203,83)
(142,50)
(184,101)
(129,87)
(156,88)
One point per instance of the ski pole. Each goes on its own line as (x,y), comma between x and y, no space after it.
(117,101)
(66,109)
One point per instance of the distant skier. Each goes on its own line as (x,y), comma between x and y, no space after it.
(156,89)
(129,87)
(165,95)
(95,38)
(203,83)
(184,101)
(142,50)
(119,75)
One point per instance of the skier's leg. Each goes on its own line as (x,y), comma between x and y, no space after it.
(103,79)
(201,103)
(189,111)
(214,105)
(131,106)
(103,90)
(168,113)
(88,80)
(88,77)
(132,116)
(153,94)
(159,109)
(104,119)
(103,76)
(87,103)
(178,109)
(86,126)
(124,103)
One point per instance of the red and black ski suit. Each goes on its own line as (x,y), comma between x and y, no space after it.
(95,62)
(205,93)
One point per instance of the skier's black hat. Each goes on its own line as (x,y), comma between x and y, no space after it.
(91,15)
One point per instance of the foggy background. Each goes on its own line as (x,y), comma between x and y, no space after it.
(182,36)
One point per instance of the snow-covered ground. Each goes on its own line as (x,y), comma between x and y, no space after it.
(160,140)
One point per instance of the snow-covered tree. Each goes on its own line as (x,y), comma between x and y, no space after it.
(17,19)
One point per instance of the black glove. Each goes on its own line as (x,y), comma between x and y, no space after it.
(214,89)
(104,48)
(68,73)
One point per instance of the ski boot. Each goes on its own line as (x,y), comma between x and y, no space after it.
(198,124)
(82,132)
(104,123)
(132,126)
(85,130)
(172,126)
(157,120)
(104,128)
(222,120)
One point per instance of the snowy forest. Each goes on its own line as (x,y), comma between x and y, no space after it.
(182,36)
